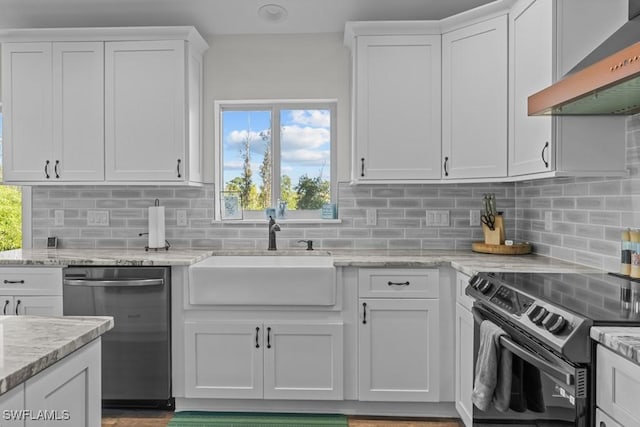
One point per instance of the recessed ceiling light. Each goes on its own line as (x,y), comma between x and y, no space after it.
(272,13)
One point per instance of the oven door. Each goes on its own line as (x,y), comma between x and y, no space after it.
(546,390)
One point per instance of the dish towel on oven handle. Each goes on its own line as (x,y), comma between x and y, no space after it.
(492,383)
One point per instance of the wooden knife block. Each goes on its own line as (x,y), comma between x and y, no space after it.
(496,236)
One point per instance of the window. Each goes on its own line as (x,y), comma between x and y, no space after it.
(276,156)
(10,210)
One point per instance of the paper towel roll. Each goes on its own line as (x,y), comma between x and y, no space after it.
(156,227)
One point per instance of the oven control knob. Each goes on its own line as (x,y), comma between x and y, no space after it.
(537,314)
(555,324)
(485,286)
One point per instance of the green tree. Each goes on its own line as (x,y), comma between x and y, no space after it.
(10,217)
(312,192)
(287,193)
(246,181)
(266,172)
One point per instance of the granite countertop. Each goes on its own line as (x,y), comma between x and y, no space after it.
(30,344)
(622,340)
(462,260)
(136,257)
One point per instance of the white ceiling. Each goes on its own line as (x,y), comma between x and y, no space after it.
(212,17)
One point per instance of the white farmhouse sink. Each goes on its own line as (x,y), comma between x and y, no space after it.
(263,280)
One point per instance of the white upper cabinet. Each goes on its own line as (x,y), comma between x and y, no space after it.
(145,110)
(474,100)
(103,105)
(546,39)
(396,103)
(27,132)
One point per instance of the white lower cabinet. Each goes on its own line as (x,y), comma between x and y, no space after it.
(618,388)
(32,291)
(66,394)
(270,360)
(398,350)
(464,374)
(31,306)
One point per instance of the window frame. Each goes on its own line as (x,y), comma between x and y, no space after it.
(275,106)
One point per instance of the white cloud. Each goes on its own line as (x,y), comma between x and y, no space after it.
(304,137)
(316,118)
(240,136)
(308,157)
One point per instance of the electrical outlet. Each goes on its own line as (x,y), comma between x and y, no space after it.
(100,218)
(58,217)
(474,218)
(548,221)
(181,217)
(372,217)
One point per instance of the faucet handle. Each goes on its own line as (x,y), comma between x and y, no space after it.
(309,244)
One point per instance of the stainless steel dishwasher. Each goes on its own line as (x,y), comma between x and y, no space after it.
(136,353)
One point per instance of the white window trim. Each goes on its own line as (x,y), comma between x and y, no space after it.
(331,104)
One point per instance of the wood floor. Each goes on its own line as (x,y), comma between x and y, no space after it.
(143,418)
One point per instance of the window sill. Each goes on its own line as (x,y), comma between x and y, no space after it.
(279,221)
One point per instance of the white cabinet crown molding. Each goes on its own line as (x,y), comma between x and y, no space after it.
(355,29)
(187,33)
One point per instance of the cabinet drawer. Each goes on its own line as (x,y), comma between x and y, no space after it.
(603,420)
(618,381)
(31,281)
(398,283)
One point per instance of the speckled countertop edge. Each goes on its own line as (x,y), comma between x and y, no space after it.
(31,344)
(622,340)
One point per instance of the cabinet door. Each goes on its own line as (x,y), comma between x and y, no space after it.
(303,361)
(69,389)
(531,51)
(464,364)
(223,359)
(397,108)
(145,110)
(78,111)
(27,118)
(12,402)
(398,350)
(618,381)
(474,81)
(37,306)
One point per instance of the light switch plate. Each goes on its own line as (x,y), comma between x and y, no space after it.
(58,217)
(181,217)
(474,218)
(548,221)
(372,217)
(437,218)
(98,218)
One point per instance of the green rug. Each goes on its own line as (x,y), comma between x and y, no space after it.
(241,419)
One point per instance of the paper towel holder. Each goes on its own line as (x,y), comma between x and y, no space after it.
(166,246)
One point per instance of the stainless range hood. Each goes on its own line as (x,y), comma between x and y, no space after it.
(606,82)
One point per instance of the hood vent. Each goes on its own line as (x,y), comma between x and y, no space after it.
(606,82)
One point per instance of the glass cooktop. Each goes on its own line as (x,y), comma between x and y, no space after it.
(604,298)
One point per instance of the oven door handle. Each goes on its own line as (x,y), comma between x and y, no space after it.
(547,367)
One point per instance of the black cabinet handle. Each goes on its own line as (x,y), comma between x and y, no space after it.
(364,313)
(603,424)
(6,304)
(13,282)
(446,164)
(55,168)
(46,169)
(362,167)
(257,333)
(269,337)
(398,283)
(178,168)
(17,306)
(546,147)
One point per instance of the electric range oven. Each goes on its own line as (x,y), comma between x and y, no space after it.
(547,319)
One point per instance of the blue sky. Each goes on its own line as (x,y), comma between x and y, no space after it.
(305,142)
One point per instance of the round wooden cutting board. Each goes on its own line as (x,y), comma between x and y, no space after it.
(515,249)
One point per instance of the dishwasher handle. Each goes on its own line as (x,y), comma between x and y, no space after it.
(113,283)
